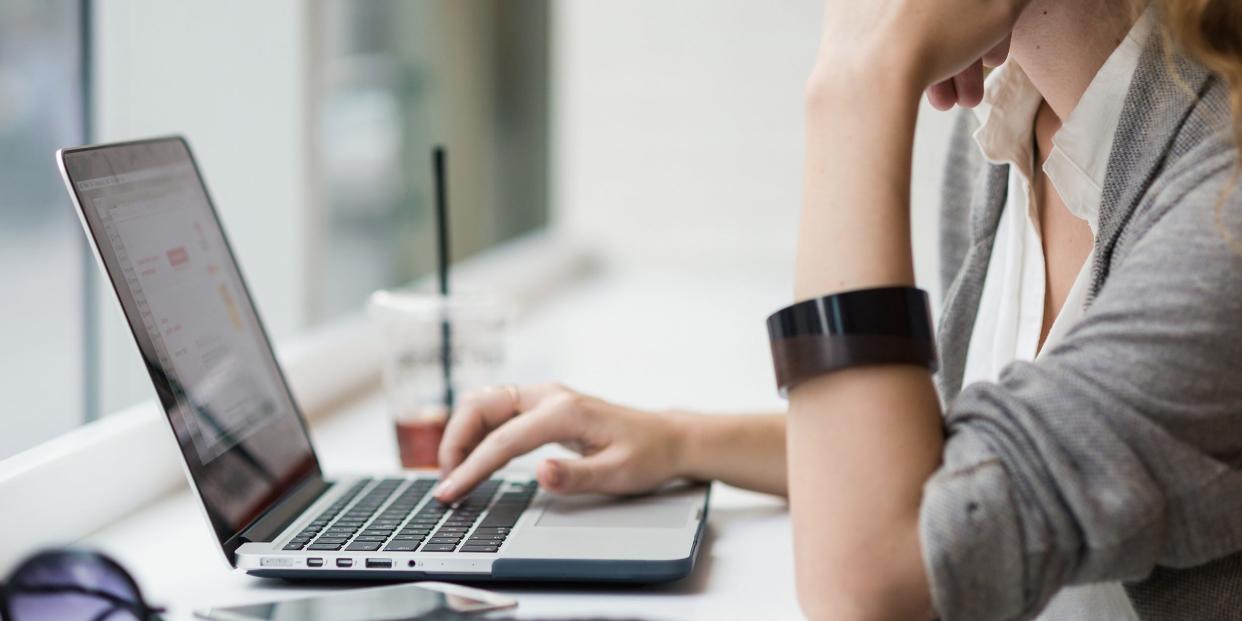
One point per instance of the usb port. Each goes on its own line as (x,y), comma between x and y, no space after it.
(344,562)
(379,563)
(314,562)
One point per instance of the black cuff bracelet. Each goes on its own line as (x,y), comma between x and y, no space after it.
(886,325)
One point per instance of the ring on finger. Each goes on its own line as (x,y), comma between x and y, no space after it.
(515,397)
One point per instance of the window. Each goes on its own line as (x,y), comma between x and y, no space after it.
(396,78)
(313,123)
(44,332)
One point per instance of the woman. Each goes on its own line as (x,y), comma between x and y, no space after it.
(1087,427)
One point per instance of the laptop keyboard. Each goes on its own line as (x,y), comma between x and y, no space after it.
(476,524)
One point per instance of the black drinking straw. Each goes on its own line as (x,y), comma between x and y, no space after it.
(440,165)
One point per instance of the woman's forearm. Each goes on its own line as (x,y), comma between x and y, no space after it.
(746,451)
(861,442)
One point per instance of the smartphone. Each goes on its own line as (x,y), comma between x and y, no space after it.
(403,602)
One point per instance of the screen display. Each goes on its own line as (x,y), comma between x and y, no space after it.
(405,602)
(163,248)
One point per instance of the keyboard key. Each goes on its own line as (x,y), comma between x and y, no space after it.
(295,545)
(355,518)
(488,549)
(438,540)
(486,537)
(439,547)
(402,546)
(504,521)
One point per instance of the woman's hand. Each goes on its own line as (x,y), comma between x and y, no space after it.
(623,450)
(936,44)
(966,87)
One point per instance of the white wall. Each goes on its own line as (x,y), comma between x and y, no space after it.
(678,131)
(231,75)
(677,135)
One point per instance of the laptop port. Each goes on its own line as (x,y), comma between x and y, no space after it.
(314,562)
(344,562)
(379,563)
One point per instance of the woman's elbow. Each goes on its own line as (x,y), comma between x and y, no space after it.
(842,602)
(842,599)
(864,583)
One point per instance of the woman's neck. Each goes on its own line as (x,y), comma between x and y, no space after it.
(1061,45)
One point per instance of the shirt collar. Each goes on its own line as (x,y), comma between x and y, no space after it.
(1078,162)
(1006,116)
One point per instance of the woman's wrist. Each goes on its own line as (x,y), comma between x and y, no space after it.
(742,450)
(849,95)
(862,78)
(686,444)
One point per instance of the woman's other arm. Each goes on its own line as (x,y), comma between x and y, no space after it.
(863,442)
(623,450)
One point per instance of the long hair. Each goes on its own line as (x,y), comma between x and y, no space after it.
(1210,31)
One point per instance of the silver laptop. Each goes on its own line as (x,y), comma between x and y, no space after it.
(246,449)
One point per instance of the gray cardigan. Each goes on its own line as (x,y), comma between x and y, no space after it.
(1118,455)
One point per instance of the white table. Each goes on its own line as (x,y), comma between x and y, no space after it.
(650,339)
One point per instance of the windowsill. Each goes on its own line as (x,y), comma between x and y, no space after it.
(108,468)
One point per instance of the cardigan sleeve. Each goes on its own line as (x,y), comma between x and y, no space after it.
(1120,450)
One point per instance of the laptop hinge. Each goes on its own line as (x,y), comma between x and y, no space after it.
(285,511)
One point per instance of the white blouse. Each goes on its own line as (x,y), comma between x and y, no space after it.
(1011,311)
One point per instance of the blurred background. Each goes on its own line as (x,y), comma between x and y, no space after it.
(647,135)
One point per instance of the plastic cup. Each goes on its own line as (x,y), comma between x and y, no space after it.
(419,332)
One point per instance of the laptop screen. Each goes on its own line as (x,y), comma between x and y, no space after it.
(162,245)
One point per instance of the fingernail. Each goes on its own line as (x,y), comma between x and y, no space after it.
(445,488)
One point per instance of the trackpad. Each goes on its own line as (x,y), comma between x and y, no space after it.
(611,512)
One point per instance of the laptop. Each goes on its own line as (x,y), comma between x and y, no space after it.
(246,450)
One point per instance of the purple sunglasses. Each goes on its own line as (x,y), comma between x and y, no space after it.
(72,585)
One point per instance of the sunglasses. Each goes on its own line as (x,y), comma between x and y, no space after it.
(72,585)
